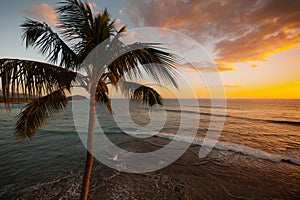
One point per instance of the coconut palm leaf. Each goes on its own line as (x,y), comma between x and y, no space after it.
(147,95)
(41,36)
(141,59)
(76,19)
(37,112)
(79,24)
(102,95)
(139,92)
(111,78)
(32,79)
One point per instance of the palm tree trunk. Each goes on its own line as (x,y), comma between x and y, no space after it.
(90,150)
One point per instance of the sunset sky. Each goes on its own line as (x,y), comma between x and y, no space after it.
(256,44)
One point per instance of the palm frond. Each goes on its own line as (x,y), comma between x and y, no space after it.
(158,64)
(113,78)
(103,27)
(139,92)
(147,95)
(76,19)
(32,79)
(78,23)
(36,113)
(102,95)
(122,30)
(41,36)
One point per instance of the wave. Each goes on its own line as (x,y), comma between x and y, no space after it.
(288,122)
(63,187)
(194,112)
(208,107)
(237,148)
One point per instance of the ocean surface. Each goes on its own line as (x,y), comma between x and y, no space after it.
(265,129)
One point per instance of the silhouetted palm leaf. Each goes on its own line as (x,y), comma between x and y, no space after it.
(102,95)
(140,92)
(32,79)
(37,112)
(41,36)
(140,59)
(147,95)
(76,19)
(80,25)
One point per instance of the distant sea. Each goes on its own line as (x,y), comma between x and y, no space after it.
(267,129)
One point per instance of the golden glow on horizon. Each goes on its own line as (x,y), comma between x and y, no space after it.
(276,77)
(288,90)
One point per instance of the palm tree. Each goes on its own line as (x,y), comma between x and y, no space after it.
(46,84)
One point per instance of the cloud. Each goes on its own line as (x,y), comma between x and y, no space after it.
(205,67)
(42,12)
(254,66)
(232,86)
(239,31)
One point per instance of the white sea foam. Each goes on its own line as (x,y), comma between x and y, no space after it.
(234,147)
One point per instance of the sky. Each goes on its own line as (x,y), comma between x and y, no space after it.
(255,44)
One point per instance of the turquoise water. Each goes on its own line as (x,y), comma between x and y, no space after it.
(267,129)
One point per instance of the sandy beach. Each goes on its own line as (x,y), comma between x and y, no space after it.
(221,175)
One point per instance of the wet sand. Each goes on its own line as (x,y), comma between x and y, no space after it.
(220,175)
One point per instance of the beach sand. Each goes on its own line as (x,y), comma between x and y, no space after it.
(220,175)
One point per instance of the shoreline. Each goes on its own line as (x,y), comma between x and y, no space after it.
(220,175)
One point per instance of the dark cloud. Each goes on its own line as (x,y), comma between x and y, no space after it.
(240,31)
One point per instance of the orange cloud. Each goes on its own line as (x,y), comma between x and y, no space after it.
(205,67)
(239,31)
(42,12)
(255,47)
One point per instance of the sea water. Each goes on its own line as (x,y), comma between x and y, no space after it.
(266,129)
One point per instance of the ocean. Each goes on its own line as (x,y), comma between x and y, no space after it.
(53,162)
